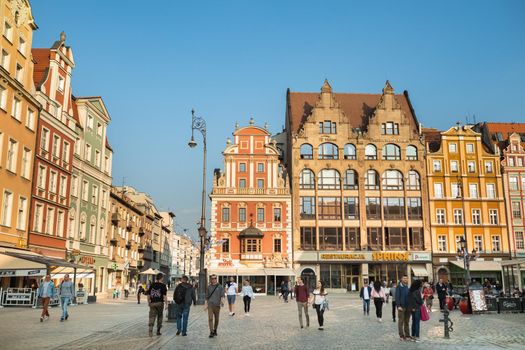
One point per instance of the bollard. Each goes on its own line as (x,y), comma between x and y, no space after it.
(447,323)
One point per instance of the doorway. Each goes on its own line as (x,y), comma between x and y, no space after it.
(353,277)
(308,277)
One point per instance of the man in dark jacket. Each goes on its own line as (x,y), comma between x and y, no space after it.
(183,308)
(441,290)
(403,311)
(364,294)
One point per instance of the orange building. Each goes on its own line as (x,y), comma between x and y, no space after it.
(18,121)
(251,213)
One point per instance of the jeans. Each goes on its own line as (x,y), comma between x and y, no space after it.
(285,294)
(300,307)
(416,318)
(366,306)
(378,302)
(320,314)
(182,313)
(247,301)
(64,301)
(394,310)
(442,303)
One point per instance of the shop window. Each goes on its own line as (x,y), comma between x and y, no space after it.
(331,275)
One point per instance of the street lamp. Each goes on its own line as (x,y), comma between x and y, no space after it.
(199,124)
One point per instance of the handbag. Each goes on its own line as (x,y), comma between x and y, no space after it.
(325,305)
(424,313)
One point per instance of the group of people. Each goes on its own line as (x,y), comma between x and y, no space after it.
(407,303)
(47,291)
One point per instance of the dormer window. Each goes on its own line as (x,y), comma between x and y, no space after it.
(390,128)
(327,127)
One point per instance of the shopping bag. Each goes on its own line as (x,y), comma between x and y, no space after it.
(424,313)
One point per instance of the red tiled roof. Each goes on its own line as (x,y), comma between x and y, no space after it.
(41,59)
(357,107)
(499,132)
(108,146)
(433,138)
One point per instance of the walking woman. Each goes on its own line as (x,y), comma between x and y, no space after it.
(66,291)
(46,291)
(428,296)
(247,292)
(414,302)
(378,295)
(319,297)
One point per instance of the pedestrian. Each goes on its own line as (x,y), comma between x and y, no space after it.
(66,291)
(441,289)
(318,301)
(157,301)
(378,295)
(140,291)
(301,297)
(428,296)
(364,294)
(46,291)
(285,290)
(183,296)
(415,301)
(387,291)
(247,296)
(393,295)
(403,311)
(126,290)
(213,302)
(231,291)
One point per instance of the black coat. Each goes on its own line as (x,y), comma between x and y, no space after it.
(414,300)
(441,290)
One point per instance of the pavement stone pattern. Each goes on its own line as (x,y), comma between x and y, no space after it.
(273,324)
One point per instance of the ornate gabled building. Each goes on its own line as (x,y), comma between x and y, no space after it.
(466,201)
(251,213)
(356,164)
(53,164)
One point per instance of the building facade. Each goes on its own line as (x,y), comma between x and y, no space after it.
(87,241)
(19,112)
(168,223)
(251,213)
(356,163)
(466,200)
(53,164)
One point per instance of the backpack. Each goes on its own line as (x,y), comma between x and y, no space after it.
(179,296)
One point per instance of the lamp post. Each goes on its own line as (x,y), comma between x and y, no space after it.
(199,124)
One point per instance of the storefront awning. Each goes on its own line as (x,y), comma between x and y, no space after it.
(14,266)
(419,271)
(53,264)
(237,272)
(479,265)
(279,272)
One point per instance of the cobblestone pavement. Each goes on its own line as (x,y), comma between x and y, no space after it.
(272,325)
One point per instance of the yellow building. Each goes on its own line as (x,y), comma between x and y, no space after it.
(19,112)
(466,199)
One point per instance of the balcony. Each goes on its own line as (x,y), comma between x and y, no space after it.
(113,242)
(115,218)
(141,232)
(128,245)
(129,227)
(147,254)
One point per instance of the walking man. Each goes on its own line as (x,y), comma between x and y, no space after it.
(393,295)
(213,302)
(46,291)
(66,291)
(183,296)
(232,290)
(157,301)
(364,294)
(441,290)
(404,311)
(301,297)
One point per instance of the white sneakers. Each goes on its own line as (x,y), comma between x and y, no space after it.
(380,320)
(247,314)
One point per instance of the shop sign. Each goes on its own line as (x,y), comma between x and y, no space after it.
(22,272)
(349,256)
(18,297)
(390,256)
(420,256)
(87,260)
(226,263)
(7,273)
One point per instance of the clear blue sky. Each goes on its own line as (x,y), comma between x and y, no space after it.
(153,61)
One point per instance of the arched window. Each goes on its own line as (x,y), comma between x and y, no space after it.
(329,179)
(350,180)
(414,182)
(307,151)
(350,151)
(372,180)
(328,151)
(370,151)
(391,152)
(392,180)
(411,152)
(307,180)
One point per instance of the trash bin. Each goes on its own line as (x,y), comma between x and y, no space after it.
(172,310)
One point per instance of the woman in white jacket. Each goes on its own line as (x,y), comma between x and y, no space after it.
(247,296)
(378,295)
